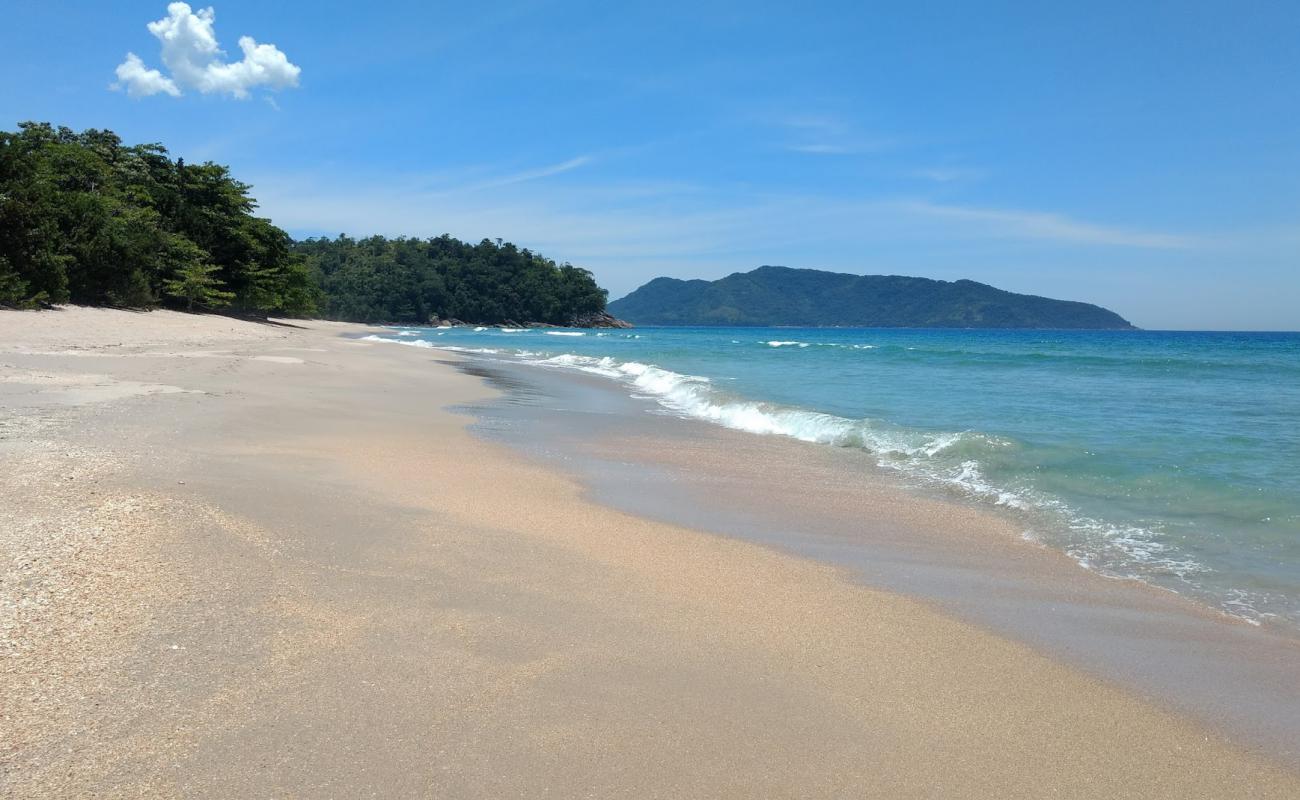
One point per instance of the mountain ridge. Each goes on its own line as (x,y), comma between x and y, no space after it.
(787,296)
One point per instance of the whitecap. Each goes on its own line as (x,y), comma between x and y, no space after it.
(455,349)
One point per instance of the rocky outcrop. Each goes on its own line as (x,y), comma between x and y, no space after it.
(597,320)
(602,319)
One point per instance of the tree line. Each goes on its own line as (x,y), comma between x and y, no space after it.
(86,219)
(415,280)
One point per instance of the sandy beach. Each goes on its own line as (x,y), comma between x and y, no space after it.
(252,560)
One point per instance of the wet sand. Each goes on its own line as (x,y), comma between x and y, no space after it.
(837,506)
(244,560)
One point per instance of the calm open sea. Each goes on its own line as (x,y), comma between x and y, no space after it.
(1172,457)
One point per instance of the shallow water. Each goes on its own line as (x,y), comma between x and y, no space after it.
(836,506)
(1170,457)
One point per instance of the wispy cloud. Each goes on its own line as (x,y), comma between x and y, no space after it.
(533,174)
(839,147)
(1047,225)
(826,135)
(825,149)
(825,124)
(629,232)
(949,174)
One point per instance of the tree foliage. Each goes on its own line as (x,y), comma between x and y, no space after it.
(86,219)
(194,280)
(416,280)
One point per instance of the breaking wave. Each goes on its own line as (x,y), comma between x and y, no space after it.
(971,464)
(954,461)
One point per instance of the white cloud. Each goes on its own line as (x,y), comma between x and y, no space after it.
(823,135)
(823,149)
(818,123)
(630,232)
(140,81)
(1046,225)
(843,147)
(533,174)
(191,54)
(949,174)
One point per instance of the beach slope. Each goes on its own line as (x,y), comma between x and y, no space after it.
(242,559)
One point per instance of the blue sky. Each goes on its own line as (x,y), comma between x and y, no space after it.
(1145,156)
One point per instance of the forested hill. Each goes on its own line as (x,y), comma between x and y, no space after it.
(86,219)
(414,281)
(806,297)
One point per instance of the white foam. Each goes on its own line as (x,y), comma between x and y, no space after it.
(455,349)
(513,330)
(955,460)
(784,343)
(412,343)
(597,366)
(929,456)
(423,343)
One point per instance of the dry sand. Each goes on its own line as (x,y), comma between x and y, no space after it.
(242,560)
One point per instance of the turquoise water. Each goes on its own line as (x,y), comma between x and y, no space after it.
(1169,457)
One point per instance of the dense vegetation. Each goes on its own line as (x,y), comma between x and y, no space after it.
(784,296)
(416,280)
(85,219)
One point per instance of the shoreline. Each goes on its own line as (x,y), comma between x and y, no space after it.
(339,586)
(1100,499)
(832,506)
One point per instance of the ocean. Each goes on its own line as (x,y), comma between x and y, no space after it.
(1168,457)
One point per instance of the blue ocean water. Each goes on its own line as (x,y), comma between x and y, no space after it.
(1171,457)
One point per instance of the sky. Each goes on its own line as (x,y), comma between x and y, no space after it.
(1143,156)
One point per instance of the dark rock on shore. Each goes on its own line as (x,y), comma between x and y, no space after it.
(601,319)
(595,320)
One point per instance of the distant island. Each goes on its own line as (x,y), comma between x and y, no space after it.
(814,298)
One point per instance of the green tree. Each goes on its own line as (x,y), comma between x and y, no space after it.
(414,280)
(87,219)
(194,280)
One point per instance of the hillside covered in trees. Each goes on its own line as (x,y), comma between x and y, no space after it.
(86,219)
(416,280)
(808,297)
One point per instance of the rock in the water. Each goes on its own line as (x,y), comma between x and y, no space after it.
(602,319)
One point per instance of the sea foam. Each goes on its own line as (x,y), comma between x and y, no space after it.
(945,459)
(958,461)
